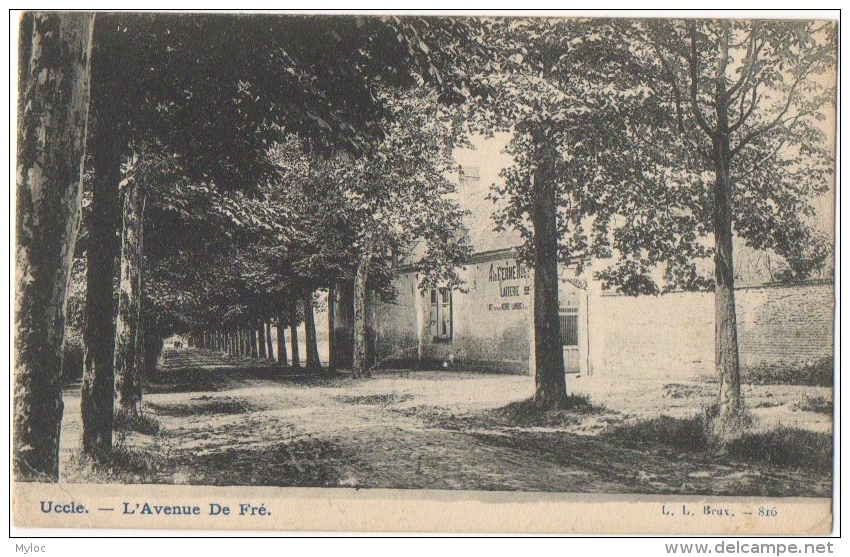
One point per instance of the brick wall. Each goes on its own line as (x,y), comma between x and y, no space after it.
(786,324)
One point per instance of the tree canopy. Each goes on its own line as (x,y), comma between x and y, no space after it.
(247,161)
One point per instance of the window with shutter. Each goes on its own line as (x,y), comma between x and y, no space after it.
(441,313)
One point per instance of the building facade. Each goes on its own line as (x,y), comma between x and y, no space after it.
(486,326)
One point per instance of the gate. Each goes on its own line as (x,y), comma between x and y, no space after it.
(570,338)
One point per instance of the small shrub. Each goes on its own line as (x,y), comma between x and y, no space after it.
(581,404)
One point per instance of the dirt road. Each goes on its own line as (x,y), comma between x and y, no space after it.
(216,420)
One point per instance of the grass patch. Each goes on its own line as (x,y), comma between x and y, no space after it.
(382,400)
(815,403)
(574,410)
(785,447)
(578,404)
(122,465)
(703,432)
(184,381)
(722,427)
(816,374)
(781,447)
(302,462)
(204,406)
(678,390)
(527,412)
(681,433)
(144,423)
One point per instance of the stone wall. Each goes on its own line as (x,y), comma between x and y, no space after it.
(673,335)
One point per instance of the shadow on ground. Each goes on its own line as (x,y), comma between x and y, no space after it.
(205,405)
(300,462)
(663,455)
(429,430)
(663,470)
(184,371)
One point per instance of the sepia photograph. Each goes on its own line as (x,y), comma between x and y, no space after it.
(424,273)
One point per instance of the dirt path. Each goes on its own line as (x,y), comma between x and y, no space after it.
(224,421)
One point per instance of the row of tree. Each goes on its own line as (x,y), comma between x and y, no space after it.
(653,143)
(197,123)
(235,165)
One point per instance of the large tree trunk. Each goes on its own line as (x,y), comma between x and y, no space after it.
(148,335)
(293,336)
(331,339)
(261,340)
(253,336)
(343,327)
(107,144)
(281,340)
(313,362)
(360,367)
(371,329)
(53,115)
(152,343)
(550,380)
(269,351)
(128,323)
(726,328)
(140,361)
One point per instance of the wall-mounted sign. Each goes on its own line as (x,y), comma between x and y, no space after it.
(509,272)
(505,274)
(506,306)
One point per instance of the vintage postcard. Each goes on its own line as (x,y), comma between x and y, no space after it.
(411,273)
